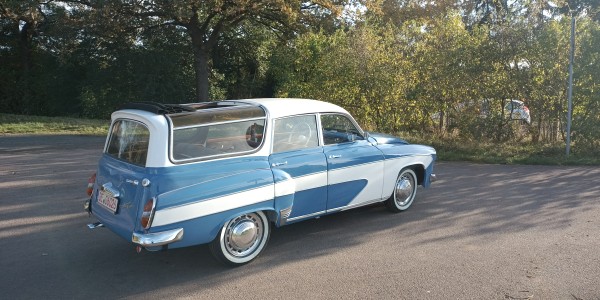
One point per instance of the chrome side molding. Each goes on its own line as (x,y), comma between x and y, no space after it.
(95,225)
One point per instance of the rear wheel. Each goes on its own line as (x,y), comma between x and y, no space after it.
(404,192)
(241,239)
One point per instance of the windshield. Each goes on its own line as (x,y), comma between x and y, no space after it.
(129,142)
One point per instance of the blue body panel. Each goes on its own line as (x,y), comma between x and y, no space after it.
(342,193)
(302,163)
(196,182)
(115,174)
(349,156)
(182,185)
(203,230)
(399,151)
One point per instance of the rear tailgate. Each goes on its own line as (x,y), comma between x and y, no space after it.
(118,190)
(118,194)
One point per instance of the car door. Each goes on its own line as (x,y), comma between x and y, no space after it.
(354,166)
(297,152)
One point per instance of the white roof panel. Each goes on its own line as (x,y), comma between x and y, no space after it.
(282,107)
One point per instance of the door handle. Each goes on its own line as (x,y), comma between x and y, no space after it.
(335,156)
(279,164)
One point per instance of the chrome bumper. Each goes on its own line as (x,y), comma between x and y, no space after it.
(157,238)
(432,178)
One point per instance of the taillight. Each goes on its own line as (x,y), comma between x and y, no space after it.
(148,213)
(90,186)
(526,109)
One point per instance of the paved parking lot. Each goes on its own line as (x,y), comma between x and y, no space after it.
(480,232)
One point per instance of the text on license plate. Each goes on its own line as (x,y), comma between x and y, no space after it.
(108,201)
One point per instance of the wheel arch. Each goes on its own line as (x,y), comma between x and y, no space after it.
(269,211)
(419,170)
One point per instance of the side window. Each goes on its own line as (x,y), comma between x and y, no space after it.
(294,133)
(339,129)
(217,139)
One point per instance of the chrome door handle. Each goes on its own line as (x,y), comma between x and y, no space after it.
(279,164)
(335,156)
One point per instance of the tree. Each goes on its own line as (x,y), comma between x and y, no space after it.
(207,23)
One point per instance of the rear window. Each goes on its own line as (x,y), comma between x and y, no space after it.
(129,142)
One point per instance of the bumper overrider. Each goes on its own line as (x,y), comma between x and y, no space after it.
(157,238)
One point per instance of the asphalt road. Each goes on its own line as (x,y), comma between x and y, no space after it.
(480,232)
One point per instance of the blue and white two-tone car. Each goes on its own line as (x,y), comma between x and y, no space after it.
(227,172)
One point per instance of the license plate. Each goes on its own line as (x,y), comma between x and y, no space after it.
(107,201)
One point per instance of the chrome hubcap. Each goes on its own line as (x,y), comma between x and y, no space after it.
(404,190)
(242,235)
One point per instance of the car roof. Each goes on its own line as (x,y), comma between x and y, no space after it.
(281,107)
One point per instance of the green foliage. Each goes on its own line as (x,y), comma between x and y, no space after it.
(586,99)
(442,68)
(358,69)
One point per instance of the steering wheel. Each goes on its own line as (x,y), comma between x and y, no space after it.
(301,130)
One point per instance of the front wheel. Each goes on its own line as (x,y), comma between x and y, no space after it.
(241,239)
(405,191)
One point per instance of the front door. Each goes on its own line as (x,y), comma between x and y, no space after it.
(354,166)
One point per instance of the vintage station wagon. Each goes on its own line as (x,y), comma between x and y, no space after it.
(227,172)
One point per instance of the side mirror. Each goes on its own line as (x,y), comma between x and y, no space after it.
(350,137)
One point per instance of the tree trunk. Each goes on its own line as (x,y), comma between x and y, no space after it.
(201,56)
(26,65)
(202,73)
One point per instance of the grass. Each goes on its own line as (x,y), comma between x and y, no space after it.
(448,149)
(452,149)
(19,124)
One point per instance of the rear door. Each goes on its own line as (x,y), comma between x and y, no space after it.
(296,151)
(118,191)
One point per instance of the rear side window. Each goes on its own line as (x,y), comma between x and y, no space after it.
(217,139)
(129,142)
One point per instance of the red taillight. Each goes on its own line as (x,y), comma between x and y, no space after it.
(525,108)
(90,186)
(148,213)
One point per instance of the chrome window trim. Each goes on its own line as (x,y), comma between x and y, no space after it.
(319,133)
(349,117)
(218,123)
(216,156)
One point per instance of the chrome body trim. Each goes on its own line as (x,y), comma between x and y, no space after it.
(157,238)
(306,216)
(107,187)
(354,205)
(284,214)
(145,182)
(95,225)
(87,205)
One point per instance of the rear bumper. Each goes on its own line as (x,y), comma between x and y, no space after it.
(157,238)
(432,178)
